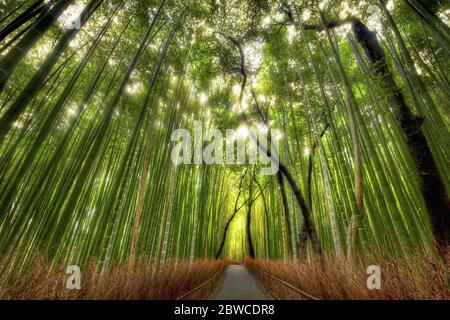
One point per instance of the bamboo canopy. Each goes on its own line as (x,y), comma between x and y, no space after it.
(91,92)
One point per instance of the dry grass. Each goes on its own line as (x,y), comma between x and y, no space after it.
(145,283)
(335,279)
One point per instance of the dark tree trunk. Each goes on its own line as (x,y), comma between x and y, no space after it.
(251,248)
(10,61)
(224,237)
(15,38)
(284,200)
(302,238)
(266,216)
(309,227)
(236,210)
(33,11)
(431,184)
(432,5)
(308,223)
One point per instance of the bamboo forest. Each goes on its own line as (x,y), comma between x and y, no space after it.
(155,149)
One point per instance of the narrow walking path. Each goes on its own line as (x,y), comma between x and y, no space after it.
(239,284)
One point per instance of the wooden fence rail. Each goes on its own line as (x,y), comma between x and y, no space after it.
(290,286)
(200,285)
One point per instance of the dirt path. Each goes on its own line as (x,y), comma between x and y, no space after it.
(239,284)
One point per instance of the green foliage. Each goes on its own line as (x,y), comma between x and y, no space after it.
(73,163)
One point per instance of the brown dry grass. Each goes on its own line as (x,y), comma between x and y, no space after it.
(144,283)
(336,279)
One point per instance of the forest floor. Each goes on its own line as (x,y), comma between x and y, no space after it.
(410,278)
(148,281)
(239,284)
(415,277)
